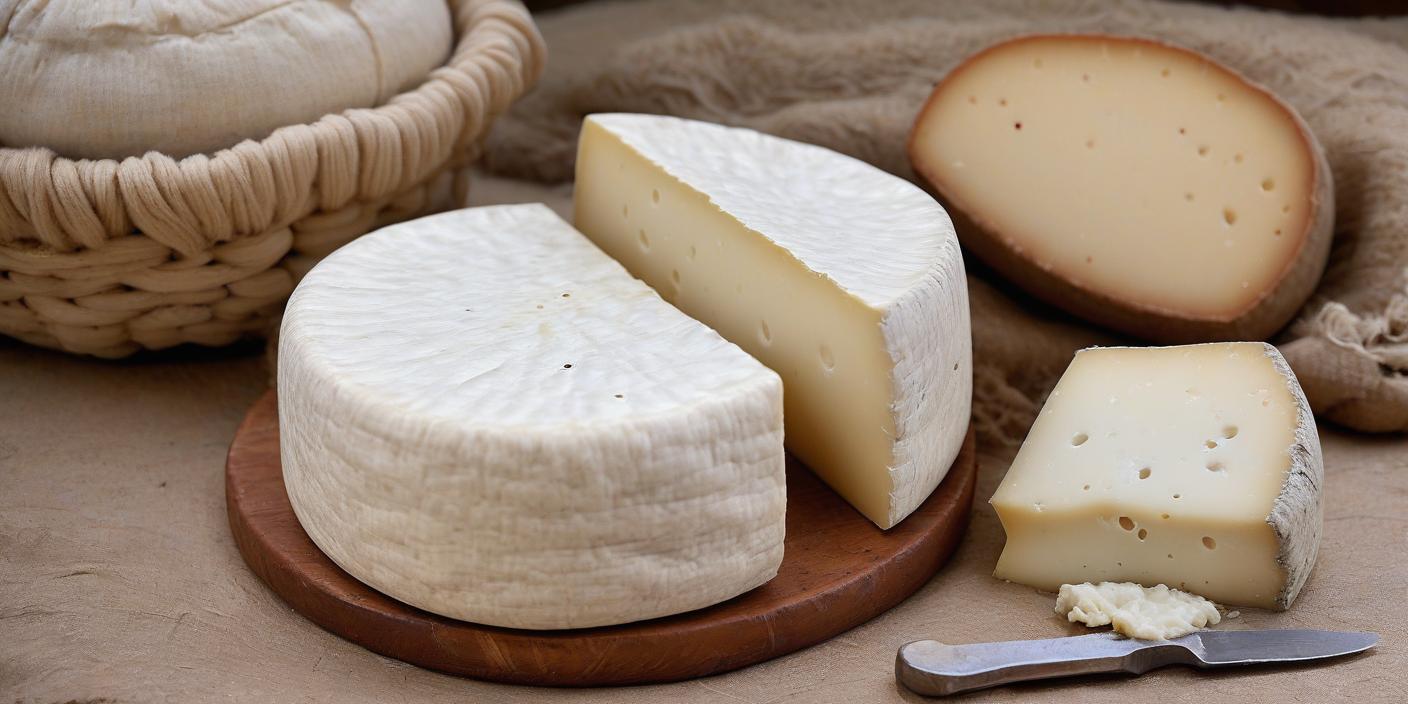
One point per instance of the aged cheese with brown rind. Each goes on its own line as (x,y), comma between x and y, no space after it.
(1139,185)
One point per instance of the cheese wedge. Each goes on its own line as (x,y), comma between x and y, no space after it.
(845,280)
(487,418)
(1196,467)
(1138,185)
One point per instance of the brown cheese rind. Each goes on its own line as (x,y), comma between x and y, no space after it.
(1261,319)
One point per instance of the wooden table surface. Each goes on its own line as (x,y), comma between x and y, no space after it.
(119,580)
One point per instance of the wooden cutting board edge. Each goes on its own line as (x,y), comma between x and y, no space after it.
(864,572)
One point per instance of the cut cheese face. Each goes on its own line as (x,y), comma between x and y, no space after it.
(1197,467)
(1139,174)
(845,280)
(484,416)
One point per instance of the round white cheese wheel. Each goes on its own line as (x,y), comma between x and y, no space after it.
(111,80)
(484,416)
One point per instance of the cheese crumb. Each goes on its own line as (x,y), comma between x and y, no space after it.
(1147,613)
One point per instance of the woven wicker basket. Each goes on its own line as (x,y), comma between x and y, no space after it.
(105,258)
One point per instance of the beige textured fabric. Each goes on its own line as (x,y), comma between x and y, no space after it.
(106,80)
(120,582)
(851,74)
(106,257)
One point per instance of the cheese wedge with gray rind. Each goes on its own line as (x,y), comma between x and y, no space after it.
(845,280)
(1197,467)
(1138,185)
(485,417)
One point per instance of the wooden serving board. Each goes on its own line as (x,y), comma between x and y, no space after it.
(838,571)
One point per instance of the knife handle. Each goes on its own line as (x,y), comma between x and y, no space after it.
(936,669)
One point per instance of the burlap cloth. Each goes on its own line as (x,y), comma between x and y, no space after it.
(851,74)
(119,581)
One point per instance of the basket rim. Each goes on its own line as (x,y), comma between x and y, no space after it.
(358,154)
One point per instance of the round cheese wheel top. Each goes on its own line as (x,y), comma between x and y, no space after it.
(111,80)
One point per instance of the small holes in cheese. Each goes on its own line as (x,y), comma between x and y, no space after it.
(675,277)
(1209,543)
(693,252)
(1229,216)
(1215,466)
(1143,534)
(828,360)
(1229,432)
(1126,523)
(655,196)
(644,240)
(625,210)
(1203,150)
(1079,439)
(1145,473)
(1210,444)
(764,332)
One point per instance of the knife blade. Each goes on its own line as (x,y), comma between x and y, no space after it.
(937,669)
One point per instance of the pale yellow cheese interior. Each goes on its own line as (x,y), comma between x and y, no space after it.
(1126,168)
(1154,466)
(826,345)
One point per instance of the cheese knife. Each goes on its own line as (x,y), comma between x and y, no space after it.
(936,669)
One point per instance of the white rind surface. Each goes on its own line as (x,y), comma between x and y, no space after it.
(927,332)
(1298,515)
(436,447)
(879,238)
